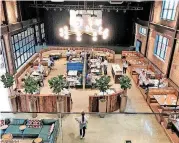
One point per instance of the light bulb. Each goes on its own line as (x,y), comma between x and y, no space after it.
(65,28)
(78,33)
(94,38)
(61,29)
(94,34)
(78,38)
(66,37)
(61,34)
(105,37)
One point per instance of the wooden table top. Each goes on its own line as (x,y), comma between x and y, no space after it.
(169,99)
(7,137)
(3,127)
(38,140)
(22,127)
(176,124)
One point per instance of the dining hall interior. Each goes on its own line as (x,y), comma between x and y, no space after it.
(89,71)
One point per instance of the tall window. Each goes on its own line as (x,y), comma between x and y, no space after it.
(37,33)
(160,48)
(169,9)
(23,46)
(3,60)
(142,31)
(42,31)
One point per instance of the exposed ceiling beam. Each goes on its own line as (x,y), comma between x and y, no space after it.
(88,7)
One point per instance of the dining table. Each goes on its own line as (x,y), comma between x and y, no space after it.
(72,73)
(176,126)
(166,100)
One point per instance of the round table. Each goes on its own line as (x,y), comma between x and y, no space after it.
(37,140)
(22,127)
(7,137)
(3,127)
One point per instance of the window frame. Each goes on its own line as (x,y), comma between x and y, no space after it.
(165,10)
(22,45)
(158,47)
(143,30)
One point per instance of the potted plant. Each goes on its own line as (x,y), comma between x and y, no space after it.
(57,84)
(125,83)
(102,84)
(31,87)
(8,82)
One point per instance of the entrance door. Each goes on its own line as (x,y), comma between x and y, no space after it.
(138,46)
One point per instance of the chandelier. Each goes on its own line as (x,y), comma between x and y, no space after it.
(84,23)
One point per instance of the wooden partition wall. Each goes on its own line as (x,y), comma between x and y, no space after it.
(44,103)
(112,102)
(62,50)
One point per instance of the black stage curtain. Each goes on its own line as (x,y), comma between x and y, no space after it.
(120,27)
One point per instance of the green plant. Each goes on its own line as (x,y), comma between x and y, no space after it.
(57,84)
(103,83)
(31,85)
(8,81)
(125,82)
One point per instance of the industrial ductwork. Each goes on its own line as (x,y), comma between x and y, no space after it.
(115,2)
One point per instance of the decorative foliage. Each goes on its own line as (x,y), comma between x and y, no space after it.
(57,84)
(8,80)
(31,85)
(103,83)
(125,82)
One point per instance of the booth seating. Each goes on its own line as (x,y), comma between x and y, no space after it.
(45,129)
(63,50)
(131,54)
(25,69)
(44,62)
(158,105)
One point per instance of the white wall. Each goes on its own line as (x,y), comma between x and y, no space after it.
(4,100)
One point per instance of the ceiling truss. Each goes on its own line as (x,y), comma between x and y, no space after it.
(86,7)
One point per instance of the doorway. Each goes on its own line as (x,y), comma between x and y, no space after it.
(138,45)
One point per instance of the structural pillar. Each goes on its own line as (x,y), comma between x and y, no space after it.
(8,49)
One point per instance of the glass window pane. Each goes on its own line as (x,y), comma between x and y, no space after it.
(160,38)
(166,5)
(12,40)
(20,43)
(23,42)
(27,40)
(22,35)
(173,14)
(169,15)
(15,38)
(26,33)
(164,14)
(22,59)
(19,36)
(171,5)
(164,40)
(158,48)
(16,46)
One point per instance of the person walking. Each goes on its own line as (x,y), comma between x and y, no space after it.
(82,120)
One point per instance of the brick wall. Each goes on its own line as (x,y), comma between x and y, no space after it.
(11,11)
(161,64)
(141,38)
(174,74)
(2,13)
(157,12)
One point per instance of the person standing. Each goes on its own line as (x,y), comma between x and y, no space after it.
(105,65)
(82,120)
(68,54)
(125,66)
